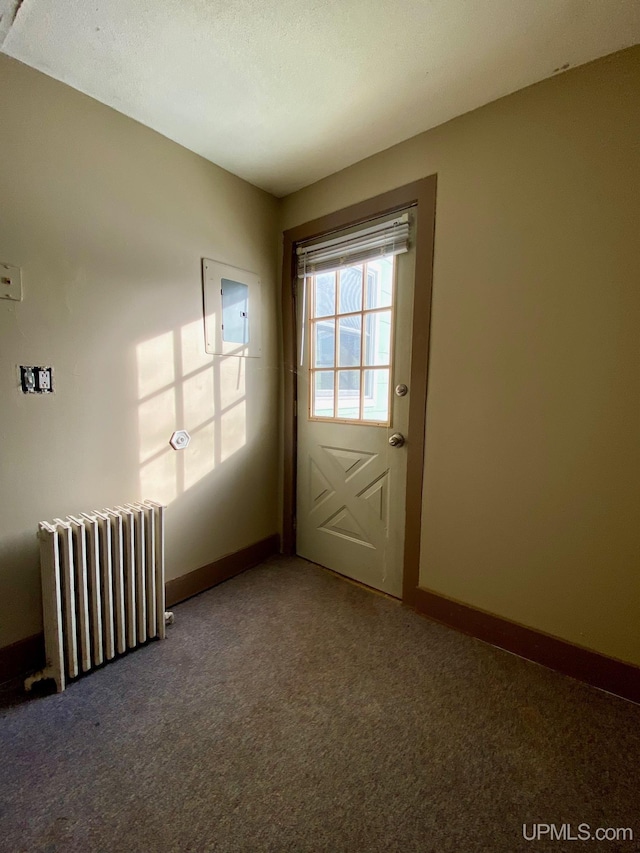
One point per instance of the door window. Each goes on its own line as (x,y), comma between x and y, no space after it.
(351,336)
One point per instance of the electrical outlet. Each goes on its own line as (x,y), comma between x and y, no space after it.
(10,282)
(44,380)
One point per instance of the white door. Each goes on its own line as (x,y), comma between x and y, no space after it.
(354,327)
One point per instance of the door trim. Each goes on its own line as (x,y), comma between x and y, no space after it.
(422,194)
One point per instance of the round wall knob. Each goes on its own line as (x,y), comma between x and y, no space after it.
(396,440)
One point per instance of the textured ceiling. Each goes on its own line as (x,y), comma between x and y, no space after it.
(284,92)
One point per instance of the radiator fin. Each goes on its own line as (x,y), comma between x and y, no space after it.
(82,594)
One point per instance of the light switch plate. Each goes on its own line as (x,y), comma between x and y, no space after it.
(10,282)
(27,379)
(36,380)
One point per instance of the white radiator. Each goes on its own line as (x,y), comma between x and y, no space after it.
(102,587)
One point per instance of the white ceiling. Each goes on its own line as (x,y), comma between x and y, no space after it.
(284,92)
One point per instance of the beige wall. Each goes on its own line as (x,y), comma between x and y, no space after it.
(109,222)
(532,477)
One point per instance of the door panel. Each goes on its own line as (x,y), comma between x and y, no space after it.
(351,482)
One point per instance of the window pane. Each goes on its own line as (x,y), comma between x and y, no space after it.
(325,294)
(376,395)
(323,394)
(235,312)
(350,290)
(349,344)
(349,394)
(377,344)
(380,282)
(324,343)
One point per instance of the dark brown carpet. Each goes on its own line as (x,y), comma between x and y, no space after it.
(290,710)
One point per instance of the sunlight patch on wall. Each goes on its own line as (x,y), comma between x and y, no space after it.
(198,397)
(199,458)
(180,386)
(193,353)
(198,405)
(159,478)
(234,435)
(156,419)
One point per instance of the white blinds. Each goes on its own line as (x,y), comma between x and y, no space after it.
(390,237)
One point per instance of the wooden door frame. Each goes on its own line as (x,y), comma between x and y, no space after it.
(422,194)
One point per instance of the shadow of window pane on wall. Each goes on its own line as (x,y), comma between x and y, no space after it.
(180,386)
